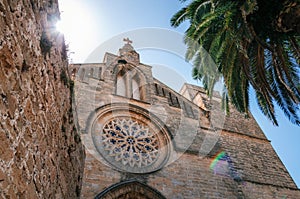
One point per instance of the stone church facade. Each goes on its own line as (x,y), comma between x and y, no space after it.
(145,140)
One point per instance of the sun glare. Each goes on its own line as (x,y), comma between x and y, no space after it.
(59,26)
(76,24)
(74,17)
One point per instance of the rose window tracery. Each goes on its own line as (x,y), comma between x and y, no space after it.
(130,142)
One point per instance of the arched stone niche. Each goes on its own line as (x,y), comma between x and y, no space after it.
(130,190)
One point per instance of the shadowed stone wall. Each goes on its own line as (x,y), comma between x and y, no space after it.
(41,155)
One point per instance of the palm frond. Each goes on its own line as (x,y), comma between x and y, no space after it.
(266,106)
(180,17)
(247,51)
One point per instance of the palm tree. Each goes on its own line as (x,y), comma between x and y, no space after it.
(253,43)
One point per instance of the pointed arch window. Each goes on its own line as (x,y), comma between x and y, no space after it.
(129,84)
(121,85)
(135,90)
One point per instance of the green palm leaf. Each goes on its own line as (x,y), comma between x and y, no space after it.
(248,49)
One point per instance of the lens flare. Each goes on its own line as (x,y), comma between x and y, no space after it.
(220,156)
(223,165)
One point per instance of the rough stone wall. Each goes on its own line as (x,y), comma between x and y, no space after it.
(189,177)
(41,155)
(232,121)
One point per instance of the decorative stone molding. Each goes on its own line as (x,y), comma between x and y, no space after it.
(128,140)
(130,189)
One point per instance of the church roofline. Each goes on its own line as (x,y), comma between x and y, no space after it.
(177,93)
(198,88)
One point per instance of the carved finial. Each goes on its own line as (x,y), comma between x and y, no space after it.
(127,40)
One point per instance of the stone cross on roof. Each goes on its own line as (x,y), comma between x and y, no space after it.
(127,40)
(127,48)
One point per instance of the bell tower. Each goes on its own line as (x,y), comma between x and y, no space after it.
(128,54)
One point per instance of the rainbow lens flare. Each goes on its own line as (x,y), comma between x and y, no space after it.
(223,165)
(220,156)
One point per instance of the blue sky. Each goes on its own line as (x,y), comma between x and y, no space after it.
(88,24)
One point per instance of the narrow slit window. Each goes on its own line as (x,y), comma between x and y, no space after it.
(135,90)
(121,86)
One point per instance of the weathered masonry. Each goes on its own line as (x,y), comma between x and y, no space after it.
(144,140)
(41,155)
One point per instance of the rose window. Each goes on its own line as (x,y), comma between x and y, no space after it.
(129,142)
(131,145)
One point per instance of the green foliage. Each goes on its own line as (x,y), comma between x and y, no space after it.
(250,46)
(64,51)
(25,67)
(45,44)
(71,84)
(64,78)
(67,81)
(63,128)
